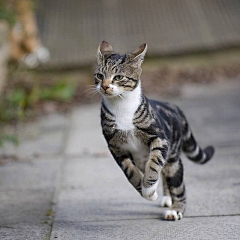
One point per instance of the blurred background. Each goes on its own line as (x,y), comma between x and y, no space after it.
(48,47)
(72,29)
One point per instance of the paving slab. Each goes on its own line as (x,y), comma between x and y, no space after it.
(213,112)
(42,137)
(24,207)
(25,232)
(81,141)
(30,174)
(27,191)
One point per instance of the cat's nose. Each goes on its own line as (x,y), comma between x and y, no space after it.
(105,87)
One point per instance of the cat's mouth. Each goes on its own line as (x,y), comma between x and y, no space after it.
(106,92)
(110,94)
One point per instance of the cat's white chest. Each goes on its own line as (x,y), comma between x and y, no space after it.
(124,114)
(132,142)
(138,150)
(125,121)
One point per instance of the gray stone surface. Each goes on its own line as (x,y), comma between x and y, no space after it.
(214,115)
(82,141)
(43,137)
(27,190)
(89,194)
(29,207)
(208,228)
(25,231)
(31,174)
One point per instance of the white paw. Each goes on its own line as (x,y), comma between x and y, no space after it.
(151,192)
(43,54)
(30,60)
(166,201)
(172,215)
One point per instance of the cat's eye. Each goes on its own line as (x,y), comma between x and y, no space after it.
(118,77)
(100,76)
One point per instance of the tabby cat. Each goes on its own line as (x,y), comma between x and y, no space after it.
(144,136)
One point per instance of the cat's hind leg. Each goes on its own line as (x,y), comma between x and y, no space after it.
(173,175)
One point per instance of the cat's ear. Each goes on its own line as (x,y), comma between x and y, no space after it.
(137,56)
(104,48)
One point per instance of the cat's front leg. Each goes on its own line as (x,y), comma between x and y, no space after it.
(132,173)
(157,159)
(130,170)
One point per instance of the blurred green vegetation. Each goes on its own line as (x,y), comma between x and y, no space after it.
(23,100)
(8,138)
(19,101)
(7,14)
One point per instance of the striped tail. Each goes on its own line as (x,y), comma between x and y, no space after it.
(193,151)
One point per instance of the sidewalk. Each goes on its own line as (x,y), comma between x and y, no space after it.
(65,185)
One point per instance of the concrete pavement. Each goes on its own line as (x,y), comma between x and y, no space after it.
(65,185)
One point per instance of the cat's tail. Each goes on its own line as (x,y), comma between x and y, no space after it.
(193,151)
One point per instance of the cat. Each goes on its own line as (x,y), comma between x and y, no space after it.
(144,136)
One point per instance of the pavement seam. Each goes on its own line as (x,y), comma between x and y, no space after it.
(60,174)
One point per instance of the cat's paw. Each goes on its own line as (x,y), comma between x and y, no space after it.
(166,201)
(172,215)
(151,196)
(150,193)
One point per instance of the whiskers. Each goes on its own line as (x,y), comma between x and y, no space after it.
(91,91)
(121,95)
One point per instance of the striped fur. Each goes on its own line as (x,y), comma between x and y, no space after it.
(145,137)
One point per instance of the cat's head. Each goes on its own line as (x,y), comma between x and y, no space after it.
(117,74)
